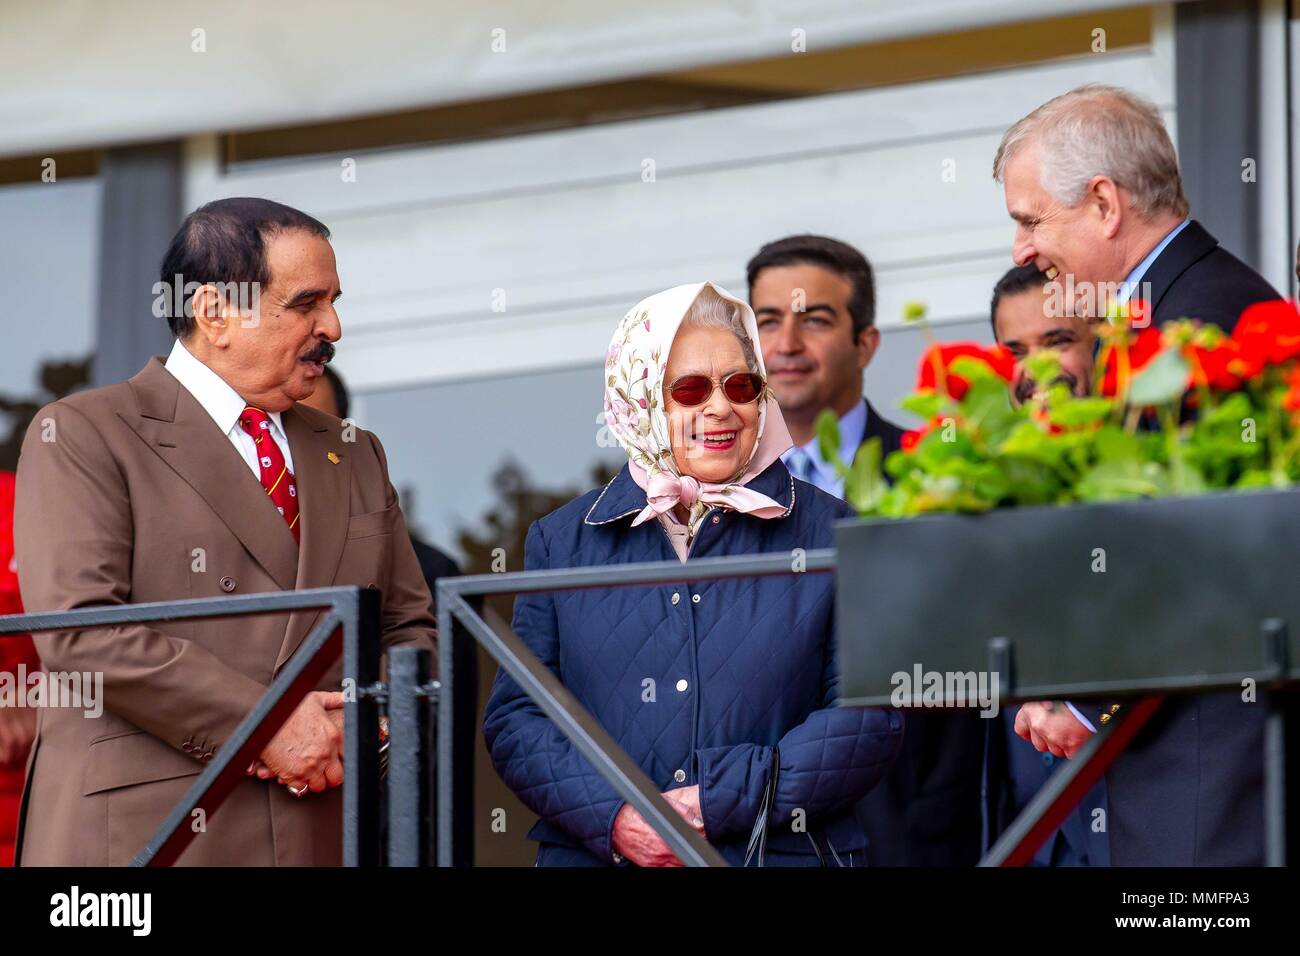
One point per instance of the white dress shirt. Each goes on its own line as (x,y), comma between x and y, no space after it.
(224,405)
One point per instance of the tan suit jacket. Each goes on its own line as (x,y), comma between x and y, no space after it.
(130,493)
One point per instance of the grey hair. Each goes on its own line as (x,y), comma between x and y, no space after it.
(1098,130)
(712,311)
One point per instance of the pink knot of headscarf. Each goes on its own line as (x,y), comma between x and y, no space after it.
(664,491)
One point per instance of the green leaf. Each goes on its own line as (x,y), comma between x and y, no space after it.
(1122,481)
(1163,380)
(864,486)
(828,435)
(913,310)
(1074,412)
(1043,366)
(1114,444)
(925,405)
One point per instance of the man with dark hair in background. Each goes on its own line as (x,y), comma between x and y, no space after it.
(815,302)
(202,476)
(1024,320)
(332,398)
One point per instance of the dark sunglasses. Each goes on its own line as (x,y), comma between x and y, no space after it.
(741,388)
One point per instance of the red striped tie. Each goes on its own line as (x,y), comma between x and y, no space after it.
(277,479)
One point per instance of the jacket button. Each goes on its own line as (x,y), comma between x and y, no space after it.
(695,599)
(716,519)
(679,776)
(208,755)
(187,746)
(682,685)
(227,584)
(676,597)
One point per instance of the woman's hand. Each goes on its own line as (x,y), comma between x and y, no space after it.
(686,801)
(635,840)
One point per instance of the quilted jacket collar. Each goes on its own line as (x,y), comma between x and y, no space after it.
(624,498)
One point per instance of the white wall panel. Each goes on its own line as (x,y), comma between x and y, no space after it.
(79,73)
(564,225)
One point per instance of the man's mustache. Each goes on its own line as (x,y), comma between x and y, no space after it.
(322,353)
(1026,386)
(792,365)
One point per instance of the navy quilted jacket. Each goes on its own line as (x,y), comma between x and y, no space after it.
(696,681)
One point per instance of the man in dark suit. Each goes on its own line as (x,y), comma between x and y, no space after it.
(1092,182)
(814,299)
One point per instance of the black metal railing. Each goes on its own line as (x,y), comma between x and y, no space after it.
(573,720)
(350,626)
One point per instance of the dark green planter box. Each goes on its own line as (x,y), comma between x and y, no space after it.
(1188,583)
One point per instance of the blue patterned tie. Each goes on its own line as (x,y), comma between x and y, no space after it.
(800,464)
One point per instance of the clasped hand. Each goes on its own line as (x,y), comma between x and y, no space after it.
(635,840)
(307,750)
(1050,727)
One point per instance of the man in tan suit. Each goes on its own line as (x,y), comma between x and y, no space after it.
(201,477)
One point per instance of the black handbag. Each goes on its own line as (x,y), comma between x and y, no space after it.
(758,837)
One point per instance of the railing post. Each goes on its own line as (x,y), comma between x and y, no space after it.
(361,645)
(410,788)
(1280,704)
(446,798)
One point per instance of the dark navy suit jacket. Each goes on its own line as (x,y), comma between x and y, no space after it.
(926,810)
(1188,791)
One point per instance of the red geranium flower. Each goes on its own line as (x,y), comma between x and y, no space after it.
(1291,401)
(999,361)
(1128,360)
(1268,332)
(1223,367)
(913,437)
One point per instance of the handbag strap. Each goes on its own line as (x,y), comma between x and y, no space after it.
(758,836)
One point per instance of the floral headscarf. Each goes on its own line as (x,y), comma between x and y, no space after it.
(634,412)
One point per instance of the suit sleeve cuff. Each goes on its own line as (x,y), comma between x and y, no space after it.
(1078,715)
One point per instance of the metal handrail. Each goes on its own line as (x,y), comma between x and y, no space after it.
(1015,847)
(352,610)
(573,720)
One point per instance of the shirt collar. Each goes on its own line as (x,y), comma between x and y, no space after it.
(1131,283)
(210,390)
(853,428)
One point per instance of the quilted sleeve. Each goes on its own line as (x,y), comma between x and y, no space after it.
(828,763)
(533,757)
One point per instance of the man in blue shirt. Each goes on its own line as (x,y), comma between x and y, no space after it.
(814,299)
(1091,180)
(815,302)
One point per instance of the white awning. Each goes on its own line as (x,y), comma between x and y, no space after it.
(86,73)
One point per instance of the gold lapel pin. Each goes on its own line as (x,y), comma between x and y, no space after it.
(334,459)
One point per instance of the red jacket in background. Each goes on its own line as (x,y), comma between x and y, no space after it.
(13,651)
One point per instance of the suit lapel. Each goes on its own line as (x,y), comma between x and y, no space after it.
(1184,250)
(175,426)
(322,469)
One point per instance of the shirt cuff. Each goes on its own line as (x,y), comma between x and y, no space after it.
(1080,718)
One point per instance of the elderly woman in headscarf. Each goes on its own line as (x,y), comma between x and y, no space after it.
(711,686)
